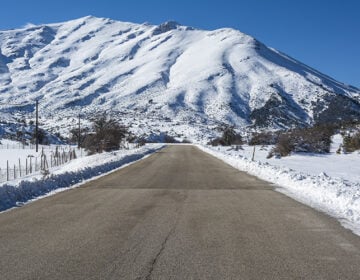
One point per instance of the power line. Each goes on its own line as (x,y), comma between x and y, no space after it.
(16,104)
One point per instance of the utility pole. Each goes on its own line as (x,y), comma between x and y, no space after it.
(79,133)
(37,126)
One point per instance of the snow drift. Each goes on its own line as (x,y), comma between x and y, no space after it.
(335,196)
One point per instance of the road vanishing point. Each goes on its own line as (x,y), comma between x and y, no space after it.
(178,214)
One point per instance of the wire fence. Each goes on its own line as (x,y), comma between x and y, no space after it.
(42,163)
(37,164)
(21,146)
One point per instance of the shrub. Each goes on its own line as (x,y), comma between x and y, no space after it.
(284,146)
(264,138)
(75,137)
(42,137)
(186,141)
(351,143)
(315,139)
(229,137)
(141,141)
(161,137)
(169,139)
(106,136)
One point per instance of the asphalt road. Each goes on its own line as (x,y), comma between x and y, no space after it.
(179,214)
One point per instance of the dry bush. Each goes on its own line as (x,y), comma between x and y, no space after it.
(229,137)
(169,139)
(315,139)
(284,146)
(107,135)
(264,138)
(351,143)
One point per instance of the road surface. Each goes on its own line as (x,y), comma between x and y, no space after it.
(178,214)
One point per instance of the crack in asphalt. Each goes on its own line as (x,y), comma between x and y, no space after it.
(163,244)
(162,248)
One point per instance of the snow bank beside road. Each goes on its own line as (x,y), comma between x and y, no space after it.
(335,196)
(16,193)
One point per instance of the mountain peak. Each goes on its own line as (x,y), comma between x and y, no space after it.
(168,26)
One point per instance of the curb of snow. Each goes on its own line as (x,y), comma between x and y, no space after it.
(334,196)
(17,193)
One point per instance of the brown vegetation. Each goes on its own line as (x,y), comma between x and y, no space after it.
(315,139)
(229,137)
(107,135)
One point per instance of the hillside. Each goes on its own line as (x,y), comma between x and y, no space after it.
(161,78)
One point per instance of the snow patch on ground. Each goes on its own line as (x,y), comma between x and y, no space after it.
(335,196)
(75,173)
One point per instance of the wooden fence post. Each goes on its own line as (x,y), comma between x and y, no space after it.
(19,167)
(7,170)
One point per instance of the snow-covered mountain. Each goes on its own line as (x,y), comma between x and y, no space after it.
(158,78)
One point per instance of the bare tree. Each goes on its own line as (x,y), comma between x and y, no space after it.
(106,136)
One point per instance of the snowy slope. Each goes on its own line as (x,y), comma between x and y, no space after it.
(159,78)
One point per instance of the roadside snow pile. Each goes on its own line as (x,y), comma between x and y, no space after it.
(16,193)
(337,197)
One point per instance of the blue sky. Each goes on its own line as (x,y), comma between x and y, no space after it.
(324,34)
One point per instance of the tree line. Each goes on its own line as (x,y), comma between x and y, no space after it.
(315,139)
